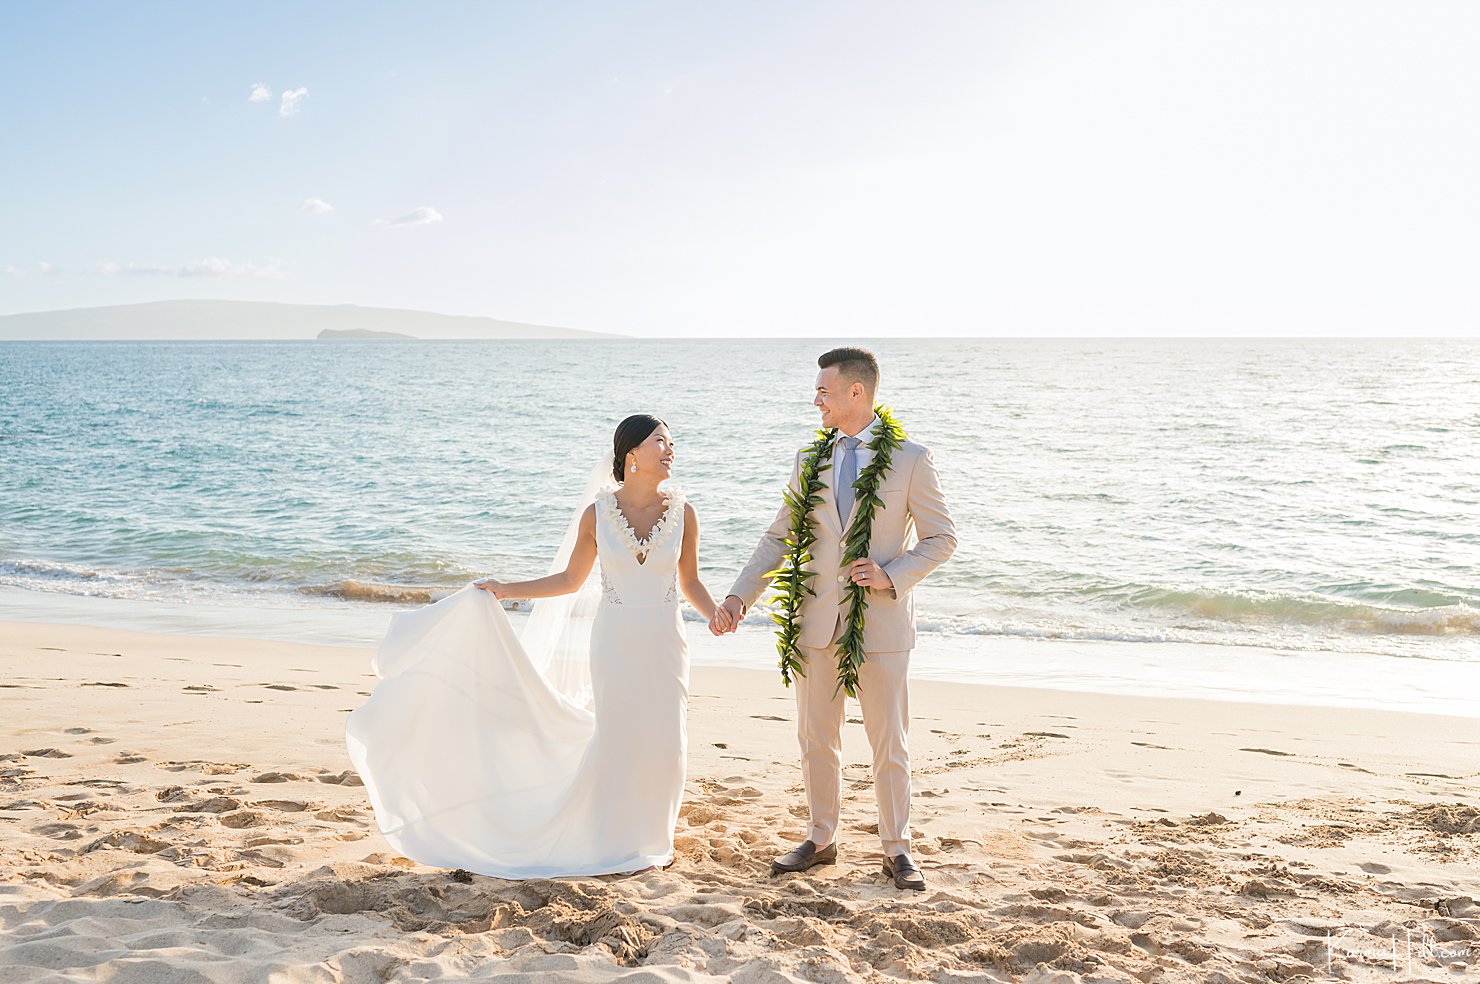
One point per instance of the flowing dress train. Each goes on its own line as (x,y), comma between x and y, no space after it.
(472,759)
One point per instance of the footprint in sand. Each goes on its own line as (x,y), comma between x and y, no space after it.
(339,814)
(216,804)
(47,753)
(955,843)
(1147,744)
(58,831)
(208,768)
(1266,751)
(77,731)
(242,818)
(86,808)
(127,758)
(128,840)
(349,777)
(200,688)
(277,686)
(1044,734)
(101,684)
(277,777)
(283,806)
(766,717)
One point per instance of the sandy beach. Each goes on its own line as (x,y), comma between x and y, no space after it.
(182,809)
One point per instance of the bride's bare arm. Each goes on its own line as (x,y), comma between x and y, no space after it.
(688,566)
(582,559)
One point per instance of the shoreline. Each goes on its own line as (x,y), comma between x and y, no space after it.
(1246,674)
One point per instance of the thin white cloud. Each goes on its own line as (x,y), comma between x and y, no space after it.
(43,269)
(109,268)
(291,99)
(316,206)
(421,216)
(214,266)
(211,266)
(260,93)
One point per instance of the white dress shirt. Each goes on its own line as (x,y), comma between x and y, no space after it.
(863,453)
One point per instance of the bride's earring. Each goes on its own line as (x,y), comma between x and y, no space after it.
(633,468)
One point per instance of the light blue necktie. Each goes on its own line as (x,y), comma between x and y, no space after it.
(846,476)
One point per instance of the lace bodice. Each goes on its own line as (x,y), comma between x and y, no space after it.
(624,579)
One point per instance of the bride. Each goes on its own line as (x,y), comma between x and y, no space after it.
(477,747)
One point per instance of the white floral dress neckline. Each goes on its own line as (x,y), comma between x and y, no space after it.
(657,536)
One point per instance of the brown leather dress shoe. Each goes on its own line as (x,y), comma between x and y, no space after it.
(906,873)
(804,856)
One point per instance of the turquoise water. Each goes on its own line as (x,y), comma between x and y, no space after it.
(1291,495)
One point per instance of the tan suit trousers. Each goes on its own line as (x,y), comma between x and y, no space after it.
(883,694)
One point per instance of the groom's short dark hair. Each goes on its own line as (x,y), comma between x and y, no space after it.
(854,364)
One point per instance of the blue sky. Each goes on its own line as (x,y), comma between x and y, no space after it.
(737,169)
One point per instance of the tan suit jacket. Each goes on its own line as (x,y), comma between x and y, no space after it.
(912,535)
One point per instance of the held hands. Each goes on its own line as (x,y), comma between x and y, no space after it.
(727,616)
(493,586)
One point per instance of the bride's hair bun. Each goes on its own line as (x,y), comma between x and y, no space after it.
(630,433)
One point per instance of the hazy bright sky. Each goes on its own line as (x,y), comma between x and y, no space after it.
(747,168)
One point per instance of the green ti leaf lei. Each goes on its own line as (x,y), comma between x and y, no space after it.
(790,579)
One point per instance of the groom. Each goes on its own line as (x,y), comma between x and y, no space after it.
(913,509)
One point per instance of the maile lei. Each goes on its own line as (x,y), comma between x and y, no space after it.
(790,579)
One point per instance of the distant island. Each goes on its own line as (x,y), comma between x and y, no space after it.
(360,333)
(263,320)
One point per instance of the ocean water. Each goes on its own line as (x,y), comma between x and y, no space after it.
(1294,496)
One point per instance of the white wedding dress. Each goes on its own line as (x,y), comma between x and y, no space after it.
(473,759)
